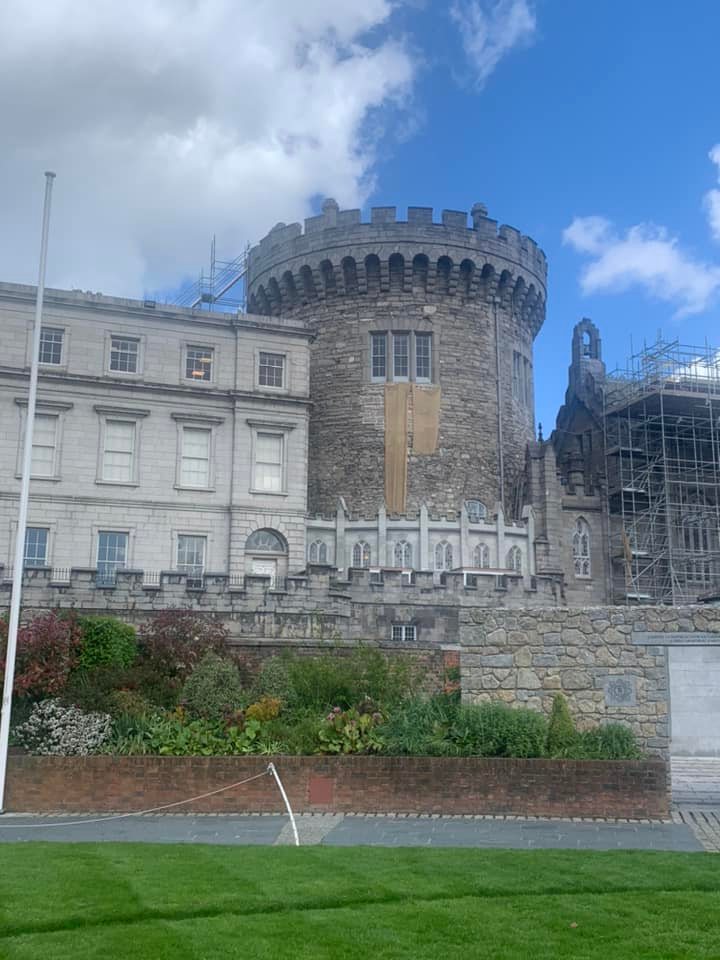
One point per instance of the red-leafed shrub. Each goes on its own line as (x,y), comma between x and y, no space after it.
(48,650)
(173,642)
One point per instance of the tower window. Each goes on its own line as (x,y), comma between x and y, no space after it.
(378,342)
(401,356)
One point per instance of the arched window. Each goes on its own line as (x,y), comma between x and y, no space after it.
(476,510)
(403,554)
(581,548)
(481,556)
(514,559)
(444,270)
(327,272)
(350,279)
(266,541)
(420,273)
(290,289)
(274,295)
(361,554)
(372,274)
(467,271)
(318,552)
(396,269)
(308,283)
(443,555)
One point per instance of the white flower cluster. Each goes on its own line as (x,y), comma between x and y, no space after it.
(56,730)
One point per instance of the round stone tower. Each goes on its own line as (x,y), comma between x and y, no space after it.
(422,365)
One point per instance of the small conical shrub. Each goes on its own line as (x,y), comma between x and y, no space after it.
(561,729)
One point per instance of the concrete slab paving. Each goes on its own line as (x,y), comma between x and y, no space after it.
(359,830)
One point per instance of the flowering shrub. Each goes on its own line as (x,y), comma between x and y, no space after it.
(55,730)
(213,690)
(174,641)
(349,731)
(266,708)
(48,650)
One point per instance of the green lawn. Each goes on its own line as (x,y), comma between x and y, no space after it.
(116,901)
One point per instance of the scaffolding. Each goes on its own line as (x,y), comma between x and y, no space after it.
(662,455)
(222,287)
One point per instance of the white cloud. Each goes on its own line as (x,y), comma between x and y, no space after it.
(490,29)
(170,120)
(645,256)
(712,197)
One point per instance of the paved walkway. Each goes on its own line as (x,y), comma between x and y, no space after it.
(353,830)
(696,781)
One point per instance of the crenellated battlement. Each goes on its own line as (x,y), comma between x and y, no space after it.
(337,254)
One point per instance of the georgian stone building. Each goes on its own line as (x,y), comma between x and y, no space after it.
(164,439)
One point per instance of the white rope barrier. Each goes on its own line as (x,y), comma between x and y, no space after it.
(166,806)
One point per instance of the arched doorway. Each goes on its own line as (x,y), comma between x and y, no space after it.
(266,554)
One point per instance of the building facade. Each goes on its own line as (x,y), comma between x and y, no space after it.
(372,411)
(164,439)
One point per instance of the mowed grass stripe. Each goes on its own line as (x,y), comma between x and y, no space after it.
(583,927)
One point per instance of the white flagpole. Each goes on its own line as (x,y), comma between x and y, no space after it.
(24,498)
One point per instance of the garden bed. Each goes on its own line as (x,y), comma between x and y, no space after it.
(339,784)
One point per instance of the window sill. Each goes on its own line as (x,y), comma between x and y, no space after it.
(124,374)
(33,477)
(583,576)
(117,483)
(189,382)
(181,486)
(266,388)
(268,493)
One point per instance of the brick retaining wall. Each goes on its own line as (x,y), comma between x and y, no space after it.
(577,788)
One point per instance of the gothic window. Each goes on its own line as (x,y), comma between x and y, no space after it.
(476,510)
(403,554)
(443,556)
(581,548)
(514,559)
(699,540)
(361,554)
(318,552)
(481,556)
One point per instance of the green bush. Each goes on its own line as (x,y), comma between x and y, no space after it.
(273,679)
(174,735)
(562,735)
(214,689)
(610,741)
(106,641)
(94,689)
(496,730)
(419,727)
(346,679)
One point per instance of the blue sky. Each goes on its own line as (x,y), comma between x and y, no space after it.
(587,124)
(610,110)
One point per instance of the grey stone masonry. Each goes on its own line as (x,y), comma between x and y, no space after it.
(597,657)
(474,296)
(151,416)
(318,606)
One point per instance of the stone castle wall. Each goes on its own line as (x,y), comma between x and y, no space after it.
(597,657)
(347,279)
